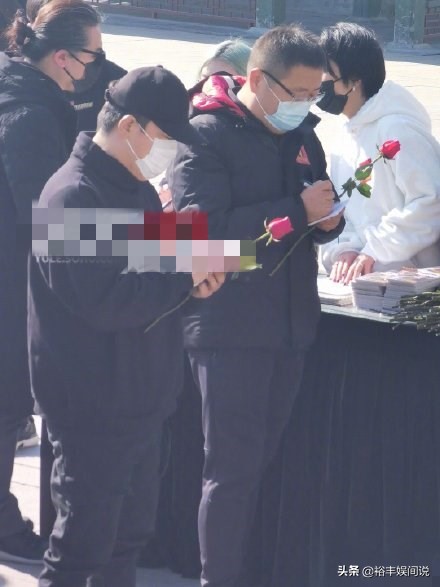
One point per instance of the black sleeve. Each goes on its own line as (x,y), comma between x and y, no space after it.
(321,236)
(32,150)
(97,290)
(199,180)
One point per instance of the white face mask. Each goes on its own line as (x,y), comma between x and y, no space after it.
(289,115)
(161,154)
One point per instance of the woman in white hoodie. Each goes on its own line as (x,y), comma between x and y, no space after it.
(400,224)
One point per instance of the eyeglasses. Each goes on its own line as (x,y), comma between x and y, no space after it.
(290,93)
(99,56)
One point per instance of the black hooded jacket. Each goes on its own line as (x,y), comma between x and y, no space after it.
(37,131)
(92,365)
(241,176)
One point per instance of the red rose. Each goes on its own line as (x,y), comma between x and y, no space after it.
(365,163)
(279,227)
(390,149)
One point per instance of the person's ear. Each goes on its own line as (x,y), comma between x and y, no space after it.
(357,86)
(61,58)
(126,125)
(255,78)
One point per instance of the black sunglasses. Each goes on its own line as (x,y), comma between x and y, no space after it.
(99,56)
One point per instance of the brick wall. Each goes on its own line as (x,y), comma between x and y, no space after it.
(343,7)
(432,21)
(230,9)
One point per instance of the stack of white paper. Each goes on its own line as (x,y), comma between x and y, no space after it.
(368,291)
(409,282)
(382,291)
(335,294)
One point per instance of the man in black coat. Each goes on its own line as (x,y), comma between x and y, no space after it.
(37,132)
(88,98)
(259,159)
(103,385)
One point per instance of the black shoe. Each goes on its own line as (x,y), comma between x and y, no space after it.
(27,434)
(24,547)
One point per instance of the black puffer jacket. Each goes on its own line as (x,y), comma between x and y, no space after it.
(37,131)
(241,175)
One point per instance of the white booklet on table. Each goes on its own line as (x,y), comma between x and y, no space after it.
(336,294)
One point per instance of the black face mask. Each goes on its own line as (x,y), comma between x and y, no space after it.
(92,72)
(332,102)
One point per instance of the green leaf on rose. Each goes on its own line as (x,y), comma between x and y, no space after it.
(248,263)
(349,186)
(363,173)
(364,189)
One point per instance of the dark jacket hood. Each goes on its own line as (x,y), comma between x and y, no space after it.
(22,84)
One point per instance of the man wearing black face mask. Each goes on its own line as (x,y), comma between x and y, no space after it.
(88,95)
(399,225)
(37,132)
(332,102)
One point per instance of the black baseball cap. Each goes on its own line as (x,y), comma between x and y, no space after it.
(158,95)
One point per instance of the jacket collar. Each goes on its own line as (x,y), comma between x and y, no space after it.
(106,167)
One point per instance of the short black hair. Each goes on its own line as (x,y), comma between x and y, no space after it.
(109,116)
(284,47)
(358,54)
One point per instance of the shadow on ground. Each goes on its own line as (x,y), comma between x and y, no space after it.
(24,570)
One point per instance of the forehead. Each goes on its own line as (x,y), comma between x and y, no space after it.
(301,77)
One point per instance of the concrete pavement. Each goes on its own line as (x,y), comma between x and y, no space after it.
(133,42)
(182,47)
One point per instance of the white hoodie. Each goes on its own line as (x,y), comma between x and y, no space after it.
(400,224)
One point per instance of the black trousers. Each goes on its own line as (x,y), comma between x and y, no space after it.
(105,489)
(11,521)
(247,398)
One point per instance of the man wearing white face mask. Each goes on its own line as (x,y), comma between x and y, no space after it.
(246,344)
(103,385)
